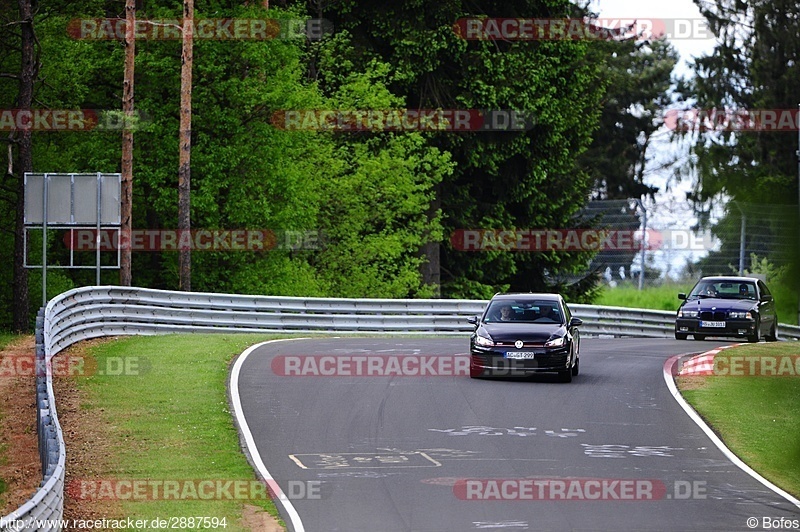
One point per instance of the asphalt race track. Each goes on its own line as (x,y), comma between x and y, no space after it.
(612,450)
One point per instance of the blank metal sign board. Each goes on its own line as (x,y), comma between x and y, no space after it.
(72,199)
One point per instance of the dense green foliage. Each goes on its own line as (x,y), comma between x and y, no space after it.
(501,180)
(381,205)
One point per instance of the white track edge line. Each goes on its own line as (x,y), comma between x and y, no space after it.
(667,372)
(297,523)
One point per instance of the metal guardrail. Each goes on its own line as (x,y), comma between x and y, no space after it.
(788,332)
(92,312)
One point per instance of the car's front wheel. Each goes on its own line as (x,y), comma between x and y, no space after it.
(576,367)
(756,336)
(565,375)
(680,336)
(773,334)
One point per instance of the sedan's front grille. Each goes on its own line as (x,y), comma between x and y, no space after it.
(524,344)
(552,360)
(715,316)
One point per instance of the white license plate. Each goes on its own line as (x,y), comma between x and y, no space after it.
(520,355)
(712,324)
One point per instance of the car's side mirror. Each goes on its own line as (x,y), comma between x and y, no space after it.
(681,296)
(472,320)
(766,297)
(575,322)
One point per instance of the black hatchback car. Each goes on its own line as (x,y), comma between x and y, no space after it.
(740,307)
(524,334)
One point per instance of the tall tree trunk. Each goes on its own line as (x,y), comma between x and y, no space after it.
(126,208)
(184,169)
(431,268)
(27,75)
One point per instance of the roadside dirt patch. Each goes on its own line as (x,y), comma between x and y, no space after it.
(86,436)
(259,520)
(20,468)
(690,383)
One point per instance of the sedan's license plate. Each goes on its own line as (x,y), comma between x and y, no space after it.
(521,355)
(712,324)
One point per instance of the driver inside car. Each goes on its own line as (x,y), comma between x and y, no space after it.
(506,313)
(744,291)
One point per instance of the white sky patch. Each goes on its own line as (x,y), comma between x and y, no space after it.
(684,10)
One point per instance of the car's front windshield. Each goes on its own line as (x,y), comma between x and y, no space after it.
(724,290)
(531,311)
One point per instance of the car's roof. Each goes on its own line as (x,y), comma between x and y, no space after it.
(733,279)
(527,295)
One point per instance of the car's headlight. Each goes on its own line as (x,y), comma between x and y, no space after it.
(483,341)
(687,313)
(740,315)
(556,342)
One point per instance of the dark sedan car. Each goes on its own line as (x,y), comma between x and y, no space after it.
(524,334)
(740,307)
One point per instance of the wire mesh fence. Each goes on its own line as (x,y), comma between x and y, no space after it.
(667,242)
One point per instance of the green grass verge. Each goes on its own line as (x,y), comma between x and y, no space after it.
(663,297)
(756,416)
(7,338)
(172,421)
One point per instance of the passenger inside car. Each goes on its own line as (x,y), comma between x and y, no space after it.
(548,314)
